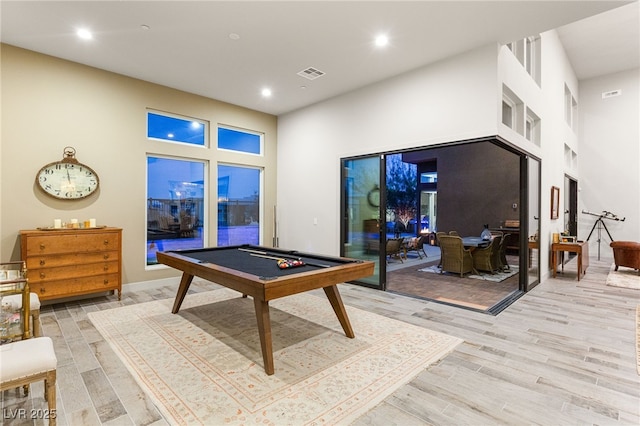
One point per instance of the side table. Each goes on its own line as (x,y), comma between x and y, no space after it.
(581,248)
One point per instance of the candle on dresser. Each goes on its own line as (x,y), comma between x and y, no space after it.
(92,223)
(57,223)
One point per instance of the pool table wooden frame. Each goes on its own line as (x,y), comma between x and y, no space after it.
(262,289)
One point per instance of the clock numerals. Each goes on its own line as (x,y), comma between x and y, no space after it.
(67,181)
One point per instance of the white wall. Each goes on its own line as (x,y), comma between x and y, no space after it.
(451,100)
(456,99)
(609,157)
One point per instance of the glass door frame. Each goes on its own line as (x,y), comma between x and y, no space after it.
(526,283)
(346,209)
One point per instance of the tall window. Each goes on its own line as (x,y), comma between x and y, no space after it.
(175,205)
(570,108)
(239,206)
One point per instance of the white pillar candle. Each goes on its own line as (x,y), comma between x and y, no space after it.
(92,223)
(57,223)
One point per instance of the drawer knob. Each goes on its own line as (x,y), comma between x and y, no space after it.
(42,275)
(43,290)
(41,246)
(106,242)
(106,256)
(42,262)
(106,267)
(106,282)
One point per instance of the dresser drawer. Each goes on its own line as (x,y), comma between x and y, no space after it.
(82,270)
(54,243)
(71,259)
(76,286)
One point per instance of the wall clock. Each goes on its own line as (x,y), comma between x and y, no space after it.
(68,179)
(373,197)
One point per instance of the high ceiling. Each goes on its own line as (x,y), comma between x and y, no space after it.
(231,50)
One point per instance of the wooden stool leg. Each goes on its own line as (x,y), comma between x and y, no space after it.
(37,331)
(50,396)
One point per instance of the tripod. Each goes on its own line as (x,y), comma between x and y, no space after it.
(599,223)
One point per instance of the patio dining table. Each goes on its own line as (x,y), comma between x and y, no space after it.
(475,242)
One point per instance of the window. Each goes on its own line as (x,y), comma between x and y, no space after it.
(570,158)
(532,58)
(238,140)
(507,113)
(570,108)
(512,110)
(527,51)
(176,129)
(532,127)
(175,205)
(239,205)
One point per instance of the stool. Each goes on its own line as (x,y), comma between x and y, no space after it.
(27,361)
(34,309)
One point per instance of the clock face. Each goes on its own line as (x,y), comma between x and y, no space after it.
(67,180)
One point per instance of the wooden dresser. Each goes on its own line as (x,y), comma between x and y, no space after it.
(71,262)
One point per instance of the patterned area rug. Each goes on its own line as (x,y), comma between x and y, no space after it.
(496,278)
(204,365)
(623,277)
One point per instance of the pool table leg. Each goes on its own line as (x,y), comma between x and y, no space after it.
(336,302)
(264,331)
(185,282)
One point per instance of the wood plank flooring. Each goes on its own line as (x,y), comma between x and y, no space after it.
(562,354)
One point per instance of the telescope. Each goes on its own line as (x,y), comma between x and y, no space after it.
(605,215)
(600,224)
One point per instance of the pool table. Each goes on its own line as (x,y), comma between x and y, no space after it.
(253,271)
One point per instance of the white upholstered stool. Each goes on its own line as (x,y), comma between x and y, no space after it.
(34,309)
(27,361)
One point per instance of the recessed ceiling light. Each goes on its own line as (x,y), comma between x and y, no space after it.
(145,27)
(382,40)
(234,36)
(84,34)
(266,92)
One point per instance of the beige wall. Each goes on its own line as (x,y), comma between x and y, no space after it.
(48,103)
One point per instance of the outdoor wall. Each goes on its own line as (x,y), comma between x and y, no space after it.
(477,185)
(609,159)
(48,103)
(451,100)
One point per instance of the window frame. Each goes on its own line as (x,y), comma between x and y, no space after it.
(205,201)
(203,122)
(241,130)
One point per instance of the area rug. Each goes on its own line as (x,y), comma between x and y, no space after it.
(204,365)
(496,278)
(623,277)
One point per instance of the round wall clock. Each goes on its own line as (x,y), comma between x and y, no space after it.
(68,179)
(373,197)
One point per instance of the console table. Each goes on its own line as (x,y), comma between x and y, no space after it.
(580,248)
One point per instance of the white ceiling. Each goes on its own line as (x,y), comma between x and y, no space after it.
(188,44)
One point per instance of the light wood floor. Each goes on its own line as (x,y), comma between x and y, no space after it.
(564,354)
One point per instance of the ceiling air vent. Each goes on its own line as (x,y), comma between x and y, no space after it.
(311,73)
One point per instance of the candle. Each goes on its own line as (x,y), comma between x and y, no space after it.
(92,223)
(57,223)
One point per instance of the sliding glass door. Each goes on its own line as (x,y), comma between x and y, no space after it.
(362,223)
